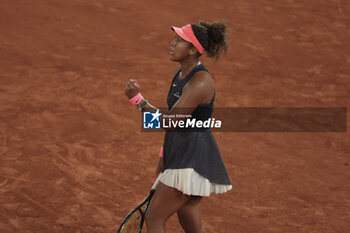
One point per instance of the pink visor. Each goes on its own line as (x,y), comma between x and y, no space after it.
(187,34)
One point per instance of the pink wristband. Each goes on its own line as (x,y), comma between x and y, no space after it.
(161,152)
(136,100)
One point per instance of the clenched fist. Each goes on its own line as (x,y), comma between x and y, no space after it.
(132,88)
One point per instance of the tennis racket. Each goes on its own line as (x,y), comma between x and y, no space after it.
(133,222)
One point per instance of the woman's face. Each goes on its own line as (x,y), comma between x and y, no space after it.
(179,49)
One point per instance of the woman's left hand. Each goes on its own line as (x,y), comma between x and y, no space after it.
(132,88)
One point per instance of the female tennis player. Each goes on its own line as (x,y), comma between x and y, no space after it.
(190,166)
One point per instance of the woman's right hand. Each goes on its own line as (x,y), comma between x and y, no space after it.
(132,88)
(160,166)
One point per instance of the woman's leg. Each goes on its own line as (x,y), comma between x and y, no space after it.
(165,202)
(190,216)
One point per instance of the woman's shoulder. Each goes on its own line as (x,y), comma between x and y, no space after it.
(201,77)
(200,82)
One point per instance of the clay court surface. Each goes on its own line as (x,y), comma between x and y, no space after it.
(74,159)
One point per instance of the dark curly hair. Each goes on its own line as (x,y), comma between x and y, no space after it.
(212,37)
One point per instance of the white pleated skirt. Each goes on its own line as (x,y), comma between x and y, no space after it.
(189,182)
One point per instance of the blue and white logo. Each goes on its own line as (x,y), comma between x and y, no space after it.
(151,120)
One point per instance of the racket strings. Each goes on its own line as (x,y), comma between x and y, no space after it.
(132,225)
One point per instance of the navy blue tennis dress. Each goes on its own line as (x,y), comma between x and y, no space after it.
(191,161)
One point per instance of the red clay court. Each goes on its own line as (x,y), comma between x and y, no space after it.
(73,158)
